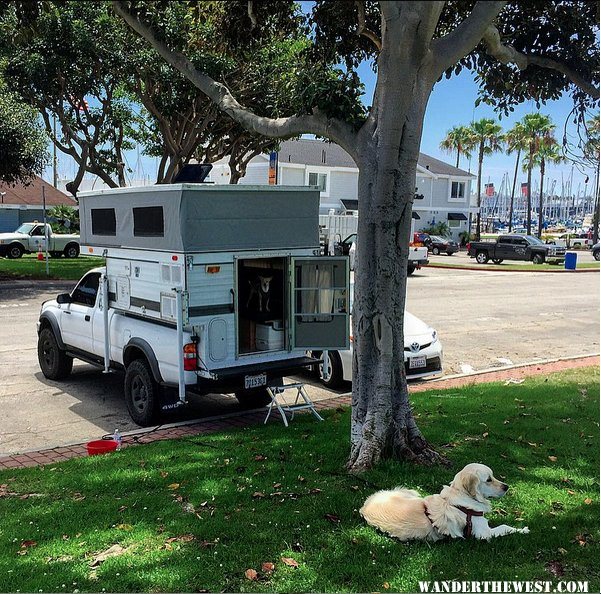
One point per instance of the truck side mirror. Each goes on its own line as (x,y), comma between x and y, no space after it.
(63,298)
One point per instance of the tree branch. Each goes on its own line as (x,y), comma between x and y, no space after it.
(362,29)
(315,123)
(506,54)
(448,50)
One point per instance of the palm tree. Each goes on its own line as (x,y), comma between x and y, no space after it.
(457,139)
(548,152)
(486,136)
(515,141)
(538,128)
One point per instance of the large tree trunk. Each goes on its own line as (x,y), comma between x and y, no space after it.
(382,424)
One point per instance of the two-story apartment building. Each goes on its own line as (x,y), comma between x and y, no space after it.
(442,191)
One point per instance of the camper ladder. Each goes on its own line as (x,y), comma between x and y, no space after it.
(301,402)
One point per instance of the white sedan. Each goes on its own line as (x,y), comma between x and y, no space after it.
(423,355)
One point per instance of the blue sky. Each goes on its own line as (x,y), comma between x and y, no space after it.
(452,103)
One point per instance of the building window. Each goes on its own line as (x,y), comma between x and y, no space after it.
(103,221)
(320,180)
(453,224)
(148,221)
(457,190)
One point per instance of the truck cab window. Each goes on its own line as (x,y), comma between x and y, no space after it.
(87,289)
(38,231)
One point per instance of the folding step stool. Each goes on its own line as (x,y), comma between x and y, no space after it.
(283,407)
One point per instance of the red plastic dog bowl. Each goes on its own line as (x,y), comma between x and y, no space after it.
(101,446)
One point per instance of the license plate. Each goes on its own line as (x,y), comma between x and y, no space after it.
(416,362)
(255,381)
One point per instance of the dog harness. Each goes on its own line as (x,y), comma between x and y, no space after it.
(467,531)
(470,513)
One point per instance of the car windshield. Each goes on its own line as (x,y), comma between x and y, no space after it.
(534,240)
(351,239)
(437,239)
(26,228)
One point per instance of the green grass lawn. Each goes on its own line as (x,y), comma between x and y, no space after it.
(196,514)
(29,267)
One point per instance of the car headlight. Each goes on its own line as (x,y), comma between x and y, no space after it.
(434,336)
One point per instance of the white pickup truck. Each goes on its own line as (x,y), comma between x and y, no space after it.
(31,238)
(72,326)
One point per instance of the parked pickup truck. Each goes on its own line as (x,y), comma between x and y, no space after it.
(31,238)
(418,255)
(515,247)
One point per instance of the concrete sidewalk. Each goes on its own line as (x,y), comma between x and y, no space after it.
(256,417)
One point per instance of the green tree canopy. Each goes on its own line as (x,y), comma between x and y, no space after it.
(23,142)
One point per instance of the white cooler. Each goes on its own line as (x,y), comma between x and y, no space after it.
(270,336)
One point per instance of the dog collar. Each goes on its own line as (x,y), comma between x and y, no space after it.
(470,513)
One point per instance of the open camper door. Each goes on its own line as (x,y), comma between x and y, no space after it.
(319,303)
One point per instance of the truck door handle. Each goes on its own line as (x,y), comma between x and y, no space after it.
(67,312)
(87,318)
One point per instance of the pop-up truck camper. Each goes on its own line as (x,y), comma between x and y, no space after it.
(210,289)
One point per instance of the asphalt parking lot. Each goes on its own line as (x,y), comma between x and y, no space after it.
(485,319)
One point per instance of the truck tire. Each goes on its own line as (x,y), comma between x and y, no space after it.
(410,270)
(15,250)
(334,379)
(71,250)
(141,393)
(538,259)
(497,260)
(481,257)
(54,362)
(253,398)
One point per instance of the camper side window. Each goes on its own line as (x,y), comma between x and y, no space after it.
(149,222)
(103,221)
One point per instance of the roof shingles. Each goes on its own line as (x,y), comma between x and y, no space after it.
(31,195)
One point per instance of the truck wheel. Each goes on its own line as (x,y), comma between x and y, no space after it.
(596,255)
(15,251)
(334,378)
(497,260)
(71,250)
(141,393)
(410,270)
(482,257)
(253,398)
(54,362)
(538,259)
(435,251)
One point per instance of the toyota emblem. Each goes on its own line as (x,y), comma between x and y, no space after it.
(414,347)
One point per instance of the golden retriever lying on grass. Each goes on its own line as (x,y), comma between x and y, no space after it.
(457,512)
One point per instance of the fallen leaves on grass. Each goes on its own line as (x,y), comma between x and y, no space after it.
(173,486)
(267,567)
(113,551)
(251,574)
(290,562)
(26,544)
(588,501)
(553,458)
(332,518)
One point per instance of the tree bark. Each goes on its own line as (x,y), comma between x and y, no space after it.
(382,421)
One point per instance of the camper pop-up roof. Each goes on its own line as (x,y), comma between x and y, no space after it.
(201,218)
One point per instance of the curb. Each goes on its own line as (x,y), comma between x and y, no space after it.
(255,417)
(491,269)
